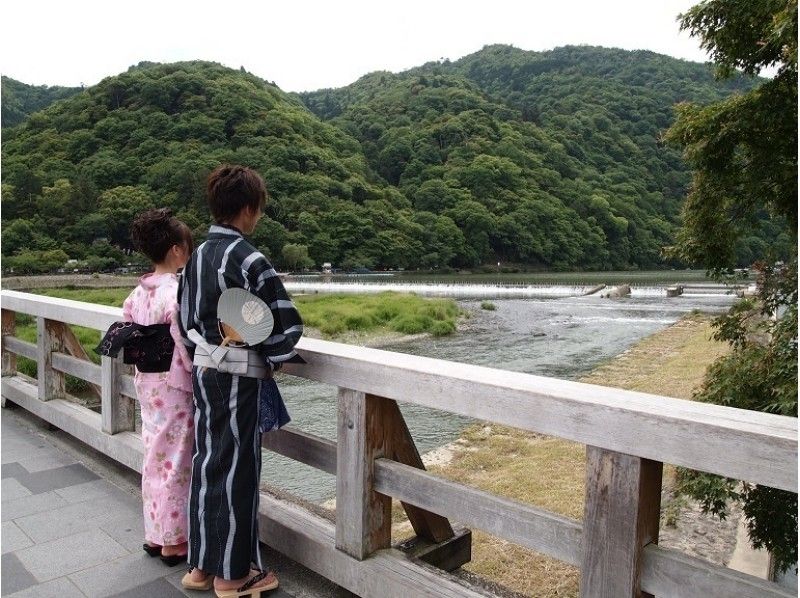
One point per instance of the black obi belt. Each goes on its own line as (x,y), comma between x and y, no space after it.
(149,348)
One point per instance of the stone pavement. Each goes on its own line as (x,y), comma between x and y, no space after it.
(72,525)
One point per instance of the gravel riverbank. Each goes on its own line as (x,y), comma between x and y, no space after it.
(549,472)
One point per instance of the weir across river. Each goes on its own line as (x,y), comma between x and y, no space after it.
(628,435)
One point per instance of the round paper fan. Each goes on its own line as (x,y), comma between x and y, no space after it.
(246,314)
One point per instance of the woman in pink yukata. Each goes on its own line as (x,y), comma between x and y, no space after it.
(165,396)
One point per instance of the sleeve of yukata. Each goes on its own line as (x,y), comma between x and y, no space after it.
(175,331)
(265,283)
(185,314)
(127,306)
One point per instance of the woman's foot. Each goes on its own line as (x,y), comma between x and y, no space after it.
(174,555)
(268,581)
(177,549)
(152,549)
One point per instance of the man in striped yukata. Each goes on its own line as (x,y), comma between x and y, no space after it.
(226,464)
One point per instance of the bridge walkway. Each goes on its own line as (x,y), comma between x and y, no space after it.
(72,525)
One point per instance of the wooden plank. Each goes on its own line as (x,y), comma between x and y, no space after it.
(535,528)
(672,573)
(126,387)
(9,328)
(20,347)
(117,412)
(304,447)
(75,349)
(89,315)
(80,422)
(321,453)
(746,445)
(310,540)
(363,517)
(448,555)
(427,525)
(85,370)
(623,499)
(48,342)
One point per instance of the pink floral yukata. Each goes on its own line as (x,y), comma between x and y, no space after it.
(167,416)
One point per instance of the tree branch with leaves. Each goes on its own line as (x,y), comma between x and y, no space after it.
(743,152)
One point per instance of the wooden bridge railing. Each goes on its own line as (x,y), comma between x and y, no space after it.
(629,436)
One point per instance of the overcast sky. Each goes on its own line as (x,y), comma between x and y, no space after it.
(309,44)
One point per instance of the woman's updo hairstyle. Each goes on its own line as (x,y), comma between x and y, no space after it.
(155,231)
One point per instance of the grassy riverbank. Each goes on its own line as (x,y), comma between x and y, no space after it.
(549,472)
(332,315)
(357,319)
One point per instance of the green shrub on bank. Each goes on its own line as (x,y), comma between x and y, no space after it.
(407,314)
(442,327)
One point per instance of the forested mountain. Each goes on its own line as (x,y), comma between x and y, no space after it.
(551,159)
(76,173)
(587,124)
(20,100)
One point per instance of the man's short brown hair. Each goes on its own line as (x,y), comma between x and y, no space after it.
(232,188)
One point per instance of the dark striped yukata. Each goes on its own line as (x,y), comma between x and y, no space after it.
(226,462)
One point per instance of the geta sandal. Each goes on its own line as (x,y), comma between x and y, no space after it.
(190,584)
(247,588)
(173,559)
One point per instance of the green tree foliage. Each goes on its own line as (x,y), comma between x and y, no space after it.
(295,256)
(20,100)
(548,159)
(743,151)
(36,262)
(561,149)
(82,168)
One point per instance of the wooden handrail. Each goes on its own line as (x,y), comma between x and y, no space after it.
(752,446)
(628,435)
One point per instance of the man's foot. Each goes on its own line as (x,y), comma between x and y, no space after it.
(268,581)
(196,579)
(197,575)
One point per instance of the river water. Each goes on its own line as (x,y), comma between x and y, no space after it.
(562,337)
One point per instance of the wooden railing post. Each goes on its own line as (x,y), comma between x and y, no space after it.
(430,526)
(9,327)
(623,500)
(116,412)
(363,517)
(72,346)
(50,381)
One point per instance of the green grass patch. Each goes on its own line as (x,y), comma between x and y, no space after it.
(112,297)
(331,314)
(396,312)
(488,305)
